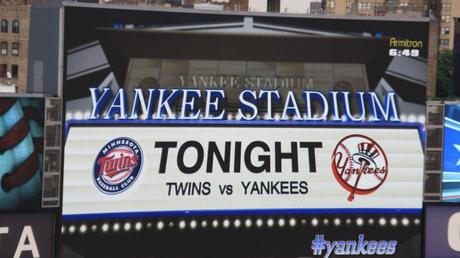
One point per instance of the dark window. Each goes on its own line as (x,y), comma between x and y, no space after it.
(52,158)
(4,25)
(15,48)
(434,138)
(433,160)
(53,136)
(3,48)
(433,183)
(14,71)
(445,30)
(15,26)
(3,70)
(273,6)
(435,114)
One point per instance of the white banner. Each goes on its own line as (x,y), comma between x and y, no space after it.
(120,169)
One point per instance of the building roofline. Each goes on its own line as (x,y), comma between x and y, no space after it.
(246,25)
(239,13)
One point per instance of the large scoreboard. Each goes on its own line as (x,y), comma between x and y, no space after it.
(261,135)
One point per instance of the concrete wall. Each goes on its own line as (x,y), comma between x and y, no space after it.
(257,5)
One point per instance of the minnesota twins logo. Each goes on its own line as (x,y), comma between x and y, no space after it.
(359,165)
(117,166)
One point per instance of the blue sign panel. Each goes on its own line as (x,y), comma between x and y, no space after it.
(451,164)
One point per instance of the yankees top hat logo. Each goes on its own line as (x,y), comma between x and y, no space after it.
(359,165)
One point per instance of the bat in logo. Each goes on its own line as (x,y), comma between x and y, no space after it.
(359,165)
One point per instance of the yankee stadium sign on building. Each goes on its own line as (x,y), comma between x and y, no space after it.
(160,107)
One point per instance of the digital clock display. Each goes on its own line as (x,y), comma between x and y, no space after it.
(404,52)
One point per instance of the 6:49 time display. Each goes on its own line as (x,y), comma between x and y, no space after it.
(404,52)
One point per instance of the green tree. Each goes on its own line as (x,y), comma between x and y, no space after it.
(444,87)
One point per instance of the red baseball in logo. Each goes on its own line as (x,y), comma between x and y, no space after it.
(359,165)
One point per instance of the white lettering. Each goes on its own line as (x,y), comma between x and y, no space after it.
(27,236)
(453,232)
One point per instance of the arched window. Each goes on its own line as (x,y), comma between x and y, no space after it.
(4,25)
(15,26)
